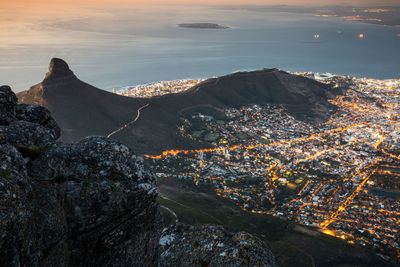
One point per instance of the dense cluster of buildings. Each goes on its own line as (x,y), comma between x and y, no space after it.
(158,89)
(340,176)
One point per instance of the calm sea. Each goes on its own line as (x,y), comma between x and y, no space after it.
(129,46)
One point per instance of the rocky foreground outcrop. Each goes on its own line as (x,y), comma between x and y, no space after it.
(211,245)
(83,204)
(93,203)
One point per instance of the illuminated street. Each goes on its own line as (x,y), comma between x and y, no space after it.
(340,176)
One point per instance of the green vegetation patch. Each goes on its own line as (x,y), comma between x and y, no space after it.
(199,205)
(197,134)
(241,136)
(211,137)
(32,152)
(264,141)
(5,173)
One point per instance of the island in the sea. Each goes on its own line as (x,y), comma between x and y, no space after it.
(203,26)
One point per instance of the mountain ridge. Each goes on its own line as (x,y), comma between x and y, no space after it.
(77,104)
(82,109)
(92,203)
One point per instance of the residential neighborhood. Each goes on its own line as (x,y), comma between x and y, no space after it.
(339,175)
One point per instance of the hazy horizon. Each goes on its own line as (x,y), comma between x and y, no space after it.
(50,3)
(112,45)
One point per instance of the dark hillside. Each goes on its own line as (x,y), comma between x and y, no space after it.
(79,108)
(157,127)
(82,109)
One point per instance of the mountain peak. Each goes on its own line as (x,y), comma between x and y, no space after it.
(101,112)
(58,68)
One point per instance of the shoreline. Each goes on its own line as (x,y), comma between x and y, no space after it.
(317,75)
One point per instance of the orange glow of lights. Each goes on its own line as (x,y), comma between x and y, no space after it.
(343,207)
(331,132)
(328,232)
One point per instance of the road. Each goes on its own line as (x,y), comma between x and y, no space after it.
(172,212)
(129,123)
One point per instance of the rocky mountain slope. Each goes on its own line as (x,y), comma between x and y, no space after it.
(81,109)
(90,203)
(211,245)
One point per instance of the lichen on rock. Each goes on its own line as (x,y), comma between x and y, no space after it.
(211,245)
(38,114)
(8,100)
(92,203)
(16,210)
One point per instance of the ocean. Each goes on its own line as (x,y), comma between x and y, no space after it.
(121,47)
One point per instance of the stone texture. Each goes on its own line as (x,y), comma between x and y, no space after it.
(100,202)
(40,115)
(25,125)
(92,203)
(23,133)
(16,231)
(8,101)
(211,245)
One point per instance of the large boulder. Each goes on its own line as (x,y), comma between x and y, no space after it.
(38,114)
(8,101)
(23,133)
(92,203)
(16,231)
(25,125)
(99,202)
(211,245)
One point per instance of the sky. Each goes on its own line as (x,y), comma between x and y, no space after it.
(37,3)
(104,39)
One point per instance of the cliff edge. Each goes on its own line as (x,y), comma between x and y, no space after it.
(92,203)
(83,204)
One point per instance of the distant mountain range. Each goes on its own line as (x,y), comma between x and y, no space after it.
(380,14)
(150,125)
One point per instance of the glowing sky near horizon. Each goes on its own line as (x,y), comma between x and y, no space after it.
(39,3)
(115,43)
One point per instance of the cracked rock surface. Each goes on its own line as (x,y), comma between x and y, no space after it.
(92,203)
(211,245)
